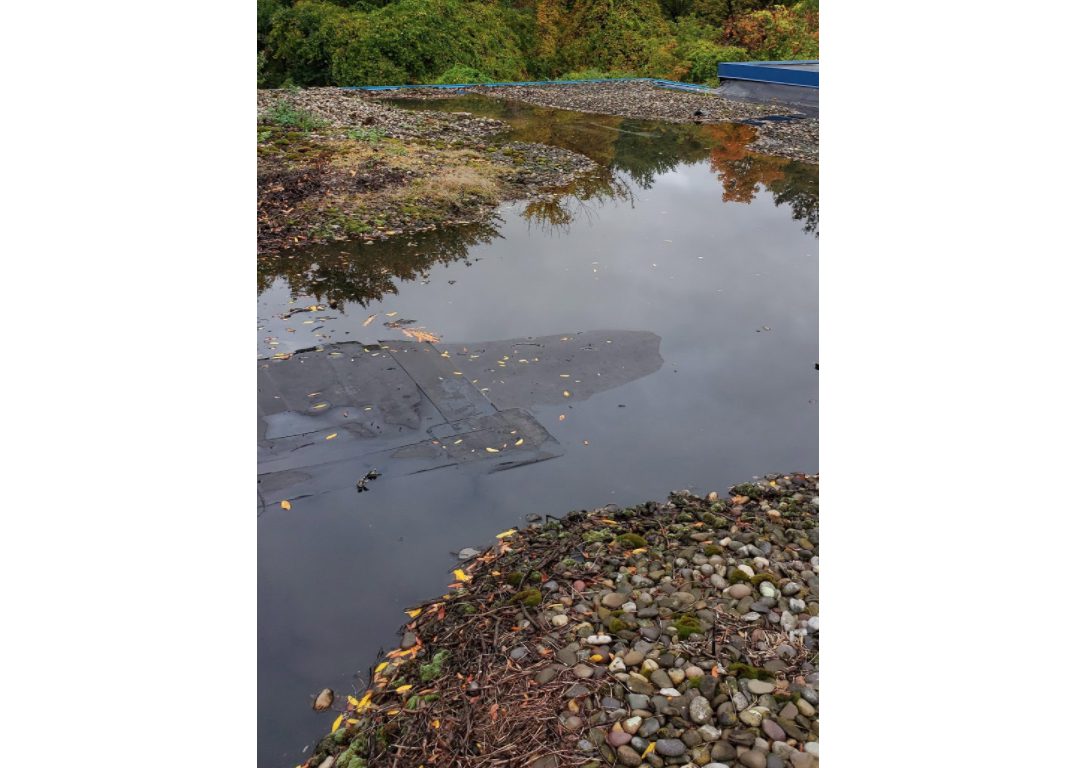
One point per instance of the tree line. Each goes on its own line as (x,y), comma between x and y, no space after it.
(364,42)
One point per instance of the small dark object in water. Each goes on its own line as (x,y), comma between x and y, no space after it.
(816,366)
(361,486)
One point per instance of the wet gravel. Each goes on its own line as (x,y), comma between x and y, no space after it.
(675,633)
(796,139)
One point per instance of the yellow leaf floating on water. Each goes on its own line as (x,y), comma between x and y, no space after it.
(567,393)
(336,723)
(285,504)
(494,450)
(352,701)
(320,406)
(413,613)
(365,700)
(421,335)
(404,688)
(506,534)
(379,667)
(461,575)
(330,437)
(519,441)
(391,314)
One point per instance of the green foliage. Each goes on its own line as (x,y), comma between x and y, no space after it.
(618,35)
(458,73)
(592,74)
(631,540)
(529,597)
(686,626)
(369,135)
(701,58)
(288,116)
(777,33)
(360,42)
(432,669)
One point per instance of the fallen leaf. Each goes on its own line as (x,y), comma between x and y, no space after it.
(493,450)
(519,441)
(369,320)
(506,534)
(561,417)
(330,437)
(391,314)
(461,575)
(285,504)
(336,723)
(379,667)
(404,688)
(567,393)
(649,748)
(421,335)
(413,613)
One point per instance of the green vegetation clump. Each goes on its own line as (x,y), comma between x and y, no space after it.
(750,490)
(740,669)
(597,535)
(631,540)
(702,57)
(459,74)
(369,135)
(687,625)
(515,578)
(736,576)
(529,597)
(285,115)
(432,668)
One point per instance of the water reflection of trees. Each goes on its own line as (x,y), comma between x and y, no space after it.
(360,272)
(743,173)
(557,210)
(642,150)
(625,149)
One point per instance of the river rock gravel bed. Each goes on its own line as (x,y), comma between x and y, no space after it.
(682,633)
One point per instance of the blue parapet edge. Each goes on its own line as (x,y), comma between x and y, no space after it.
(459,86)
(769,72)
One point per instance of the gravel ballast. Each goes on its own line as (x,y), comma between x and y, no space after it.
(666,634)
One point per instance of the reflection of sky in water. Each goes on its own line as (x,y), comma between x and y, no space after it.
(731,289)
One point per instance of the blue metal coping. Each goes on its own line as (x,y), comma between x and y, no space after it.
(456,86)
(780,72)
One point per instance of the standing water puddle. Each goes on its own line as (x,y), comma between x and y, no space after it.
(654,329)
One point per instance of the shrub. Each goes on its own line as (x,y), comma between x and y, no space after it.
(412,40)
(701,58)
(776,34)
(284,114)
(592,74)
(458,73)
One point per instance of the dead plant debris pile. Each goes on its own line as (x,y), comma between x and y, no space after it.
(676,633)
